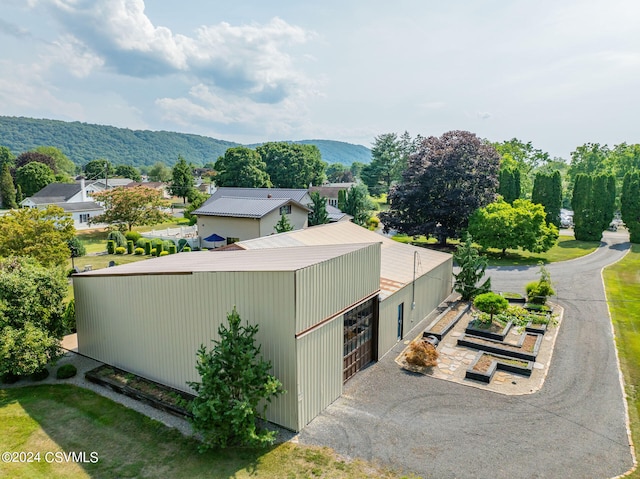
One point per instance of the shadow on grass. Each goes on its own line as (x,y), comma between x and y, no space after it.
(128,444)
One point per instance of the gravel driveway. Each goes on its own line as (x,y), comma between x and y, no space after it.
(575,427)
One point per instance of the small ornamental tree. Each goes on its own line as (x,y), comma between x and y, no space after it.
(472,268)
(235,379)
(283,225)
(491,303)
(538,291)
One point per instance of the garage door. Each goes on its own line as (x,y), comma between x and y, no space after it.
(359,337)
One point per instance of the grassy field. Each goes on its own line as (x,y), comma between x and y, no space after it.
(55,418)
(622,283)
(567,248)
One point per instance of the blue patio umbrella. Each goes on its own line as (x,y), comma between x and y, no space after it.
(214,238)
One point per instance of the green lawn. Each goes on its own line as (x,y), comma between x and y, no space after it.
(622,283)
(51,418)
(567,248)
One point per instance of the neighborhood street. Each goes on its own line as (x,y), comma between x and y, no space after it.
(574,427)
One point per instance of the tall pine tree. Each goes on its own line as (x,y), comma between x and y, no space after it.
(547,191)
(7,189)
(509,184)
(630,204)
(593,205)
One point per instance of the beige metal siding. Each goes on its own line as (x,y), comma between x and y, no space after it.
(227,227)
(153,325)
(329,287)
(298,219)
(430,290)
(319,356)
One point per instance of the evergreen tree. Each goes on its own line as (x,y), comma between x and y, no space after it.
(235,381)
(358,204)
(182,179)
(630,204)
(7,189)
(547,191)
(604,198)
(472,267)
(283,225)
(319,214)
(509,184)
(385,166)
(585,226)
(342,199)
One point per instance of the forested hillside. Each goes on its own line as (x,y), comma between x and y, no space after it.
(83,142)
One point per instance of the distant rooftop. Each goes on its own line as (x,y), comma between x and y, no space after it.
(295,194)
(243,207)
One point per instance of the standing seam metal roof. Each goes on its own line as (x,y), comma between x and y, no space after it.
(244,207)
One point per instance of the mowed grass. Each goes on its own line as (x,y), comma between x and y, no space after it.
(51,418)
(622,284)
(567,248)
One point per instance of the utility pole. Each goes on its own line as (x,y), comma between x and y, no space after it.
(106,175)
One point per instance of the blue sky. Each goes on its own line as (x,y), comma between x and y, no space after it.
(558,74)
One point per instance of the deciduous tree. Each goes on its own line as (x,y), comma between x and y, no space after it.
(521,225)
(63,165)
(100,168)
(34,176)
(42,234)
(292,165)
(242,167)
(128,171)
(34,156)
(234,390)
(446,180)
(31,317)
(159,172)
(129,207)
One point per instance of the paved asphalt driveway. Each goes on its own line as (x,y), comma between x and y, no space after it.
(573,428)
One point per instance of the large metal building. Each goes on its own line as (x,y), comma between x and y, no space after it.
(326,307)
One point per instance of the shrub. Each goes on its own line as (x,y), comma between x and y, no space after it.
(111,246)
(138,251)
(40,375)
(76,247)
(121,250)
(374,222)
(172,249)
(423,354)
(166,244)
(491,303)
(133,236)
(66,371)
(157,244)
(118,238)
(164,253)
(147,248)
(186,249)
(141,242)
(152,252)
(69,317)
(538,291)
(129,247)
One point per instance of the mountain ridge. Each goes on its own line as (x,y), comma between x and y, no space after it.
(83,142)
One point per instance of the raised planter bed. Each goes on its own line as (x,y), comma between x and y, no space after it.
(537,328)
(446,320)
(526,349)
(485,365)
(539,308)
(495,331)
(155,394)
(514,298)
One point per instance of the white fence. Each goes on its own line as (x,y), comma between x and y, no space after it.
(189,233)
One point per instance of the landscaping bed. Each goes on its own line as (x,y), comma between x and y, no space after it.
(485,366)
(494,330)
(156,395)
(447,320)
(527,349)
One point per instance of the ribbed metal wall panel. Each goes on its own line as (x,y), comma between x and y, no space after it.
(319,356)
(153,325)
(430,290)
(326,288)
